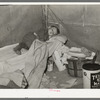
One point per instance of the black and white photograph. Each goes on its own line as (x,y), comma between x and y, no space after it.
(50,46)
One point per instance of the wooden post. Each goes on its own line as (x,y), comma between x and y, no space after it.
(46,15)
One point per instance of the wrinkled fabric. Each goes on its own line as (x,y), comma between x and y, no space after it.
(56,43)
(28,62)
(17,77)
(32,64)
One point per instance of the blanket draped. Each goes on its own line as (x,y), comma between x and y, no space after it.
(26,70)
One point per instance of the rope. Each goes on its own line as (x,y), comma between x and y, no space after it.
(58,19)
(51,16)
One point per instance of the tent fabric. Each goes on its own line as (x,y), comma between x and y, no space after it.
(81,22)
(18,20)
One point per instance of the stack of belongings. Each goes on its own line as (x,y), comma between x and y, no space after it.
(72,58)
(79,56)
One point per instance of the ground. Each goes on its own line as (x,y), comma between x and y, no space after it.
(61,80)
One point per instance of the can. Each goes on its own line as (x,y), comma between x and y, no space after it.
(91,75)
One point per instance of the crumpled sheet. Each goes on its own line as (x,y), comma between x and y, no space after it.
(13,80)
(32,64)
(7,52)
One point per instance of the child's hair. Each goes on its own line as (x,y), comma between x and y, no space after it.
(58,31)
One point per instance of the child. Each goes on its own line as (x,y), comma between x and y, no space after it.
(52,31)
(26,42)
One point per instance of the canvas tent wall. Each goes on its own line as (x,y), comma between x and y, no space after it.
(17,20)
(81,22)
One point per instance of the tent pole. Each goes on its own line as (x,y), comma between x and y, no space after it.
(46,15)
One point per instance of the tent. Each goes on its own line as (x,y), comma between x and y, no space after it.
(75,21)
(81,22)
(18,20)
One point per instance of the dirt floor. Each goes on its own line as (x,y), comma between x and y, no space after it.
(61,80)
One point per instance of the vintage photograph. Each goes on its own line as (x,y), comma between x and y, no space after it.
(50,46)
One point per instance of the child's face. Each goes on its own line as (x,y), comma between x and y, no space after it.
(52,31)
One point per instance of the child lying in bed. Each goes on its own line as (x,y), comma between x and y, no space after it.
(26,42)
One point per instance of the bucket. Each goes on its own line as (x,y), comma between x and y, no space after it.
(74,67)
(91,75)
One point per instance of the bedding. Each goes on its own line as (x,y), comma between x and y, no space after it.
(7,52)
(26,70)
